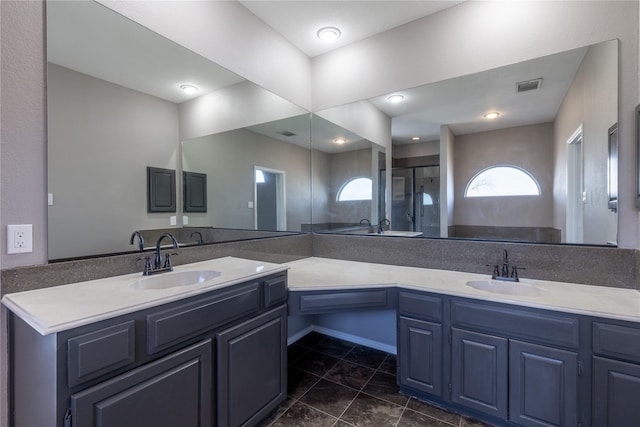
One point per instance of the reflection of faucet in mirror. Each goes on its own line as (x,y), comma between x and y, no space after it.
(366,221)
(140,240)
(382,224)
(158,266)
(200,241)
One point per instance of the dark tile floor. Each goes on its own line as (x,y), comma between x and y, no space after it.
(337,383)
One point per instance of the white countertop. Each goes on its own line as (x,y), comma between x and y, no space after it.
(60,308)
(322,273)
(64,307)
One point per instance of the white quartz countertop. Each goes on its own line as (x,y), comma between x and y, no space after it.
(64,307)
(322,273)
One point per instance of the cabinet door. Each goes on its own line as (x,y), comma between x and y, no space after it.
(420,356)
(252,369)
(173,391)
(479,372)
(543,385)
(616,387)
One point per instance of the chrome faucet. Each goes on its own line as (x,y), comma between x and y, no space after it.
(158,265)
(200,241)
(381,224)
(140,240)
(502,272)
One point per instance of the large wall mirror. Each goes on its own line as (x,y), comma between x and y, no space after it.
(454,165)
(115,108)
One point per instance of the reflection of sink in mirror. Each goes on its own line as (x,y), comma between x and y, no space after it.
(505,288)
(400,233)
(175,279)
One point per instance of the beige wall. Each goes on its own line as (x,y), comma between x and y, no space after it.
(591,102)
(228,159)
(101,139)
(527,147)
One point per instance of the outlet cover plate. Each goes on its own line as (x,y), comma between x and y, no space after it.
(19,239)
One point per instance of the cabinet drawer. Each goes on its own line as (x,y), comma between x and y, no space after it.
(516,322)
(99,352)
(172,326)
(325,302)
(420,306)
(275,291)
(616,341)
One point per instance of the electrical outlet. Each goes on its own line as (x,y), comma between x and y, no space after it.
(172,220)
(19,239)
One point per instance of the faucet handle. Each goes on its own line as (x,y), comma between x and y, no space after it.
(167,261)
(147,265)
(514,272)
(496,270)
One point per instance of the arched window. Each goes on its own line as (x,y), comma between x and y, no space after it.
(503,180)
(427,200)
(356,189)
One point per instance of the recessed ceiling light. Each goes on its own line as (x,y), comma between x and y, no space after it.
(491,115)
(415,138)
(189,89)
(339,141)
(329,34)
(395,98)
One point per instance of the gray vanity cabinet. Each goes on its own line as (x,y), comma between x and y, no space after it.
(215,359)
(173,391)
(420,345)
(616,374)
(252,369)
(479,372)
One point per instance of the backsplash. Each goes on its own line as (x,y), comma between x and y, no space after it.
(590,265)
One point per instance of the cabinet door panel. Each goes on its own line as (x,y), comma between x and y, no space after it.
(616,387)
(173,391)
(420,355)
(252,370)
(543,385)
(479,372)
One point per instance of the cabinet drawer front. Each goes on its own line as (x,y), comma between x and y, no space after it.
(420,306)
(544,328)
(275,291)
(177,324)
(343,300)
(97,353)
(616,341)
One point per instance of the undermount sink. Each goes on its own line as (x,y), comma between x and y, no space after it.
(175,279)
(505,287)
(399,233)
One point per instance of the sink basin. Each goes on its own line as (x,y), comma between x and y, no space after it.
(400,233)
(175,279)
(505,288)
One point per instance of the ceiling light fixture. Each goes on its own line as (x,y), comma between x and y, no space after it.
(491,115)
(415,138)
(329,34)
(189,89)
(339,141)
(395,98)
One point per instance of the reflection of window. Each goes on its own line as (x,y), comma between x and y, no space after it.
(259,176)
(355,189)
(426,200)
(502,181)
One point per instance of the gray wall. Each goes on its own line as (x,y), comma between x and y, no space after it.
(528,147)
(101,139)
(228,159)
(344,167)
(591,102)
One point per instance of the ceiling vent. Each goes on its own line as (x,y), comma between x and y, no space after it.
(529,85)
(286,133)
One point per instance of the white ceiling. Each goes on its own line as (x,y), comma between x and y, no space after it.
(299,21)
